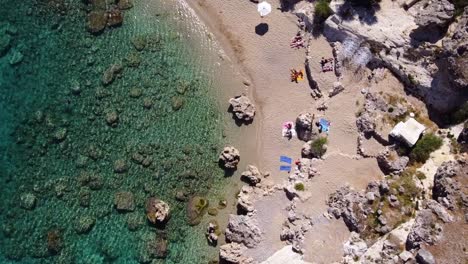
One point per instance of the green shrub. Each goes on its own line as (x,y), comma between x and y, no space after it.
(299,186)
(322,11)
(461,114)
(424,147)
(459,6)
(318,147)
(420,175)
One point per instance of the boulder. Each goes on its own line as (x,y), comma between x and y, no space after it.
(244,230)
(232,253)
(244,204)
(251,175)
(124,201)
(424,230)
(446,188)
(157,211)
(425,257)
(242,108)
(366,123)
(355,247)
(439,210)
(390,162)
(406,256)
(304,126)
(97,21)
(229,158)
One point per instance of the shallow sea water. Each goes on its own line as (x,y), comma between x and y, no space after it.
(56,143)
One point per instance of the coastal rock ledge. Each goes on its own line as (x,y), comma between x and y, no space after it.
(242,108)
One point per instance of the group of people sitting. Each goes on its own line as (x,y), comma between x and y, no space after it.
(326,64)
(297,75)
(297,41)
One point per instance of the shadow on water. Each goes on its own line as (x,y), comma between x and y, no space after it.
(261,29)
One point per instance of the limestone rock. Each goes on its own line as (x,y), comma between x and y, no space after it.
(304,126)
(124,201)
(425,257)
(355,246)
(232,253)
(446,188)
(251,175)
(389,161)
(439,210)
(243,229)
(432,16)
(365,123)
(157,211)
(456,47)
(424,230)
(229,158)
(244,203)
(242,108)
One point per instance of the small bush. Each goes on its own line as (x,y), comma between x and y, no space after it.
(318,147)
(461,114)
(424,147)
(420,175)
(299,186)
(322,11)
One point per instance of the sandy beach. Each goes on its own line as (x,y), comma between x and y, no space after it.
(261,57)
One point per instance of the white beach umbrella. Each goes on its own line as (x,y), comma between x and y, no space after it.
(264,8)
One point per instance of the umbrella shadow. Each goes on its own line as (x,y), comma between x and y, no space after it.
(261,29)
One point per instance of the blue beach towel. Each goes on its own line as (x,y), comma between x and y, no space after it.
(285,168)
(324,125)
(285,159)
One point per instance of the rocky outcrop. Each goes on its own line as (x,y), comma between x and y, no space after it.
(388,34)
(432,18)
(390,162)
(347,203)
(304,126)
(366,123)
(424,230)
(456,48)
(244,230)
(252,175)
(337,88)
(232,253)
(355,247)
(446,188)
(439,210)
(157,211)
(229,158)
(242,108)
(244,203)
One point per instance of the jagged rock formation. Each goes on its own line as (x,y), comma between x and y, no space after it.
(425,230)
(252,175)
(242,108)
(232,253)
(244,203)
(456,48)
(244,230)
(304,126)
(432,18)
(390,34)
(390,162)
(229,158)
(157,211)
(446,189)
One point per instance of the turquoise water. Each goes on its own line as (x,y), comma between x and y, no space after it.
(60,140)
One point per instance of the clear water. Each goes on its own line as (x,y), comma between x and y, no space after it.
(40,103)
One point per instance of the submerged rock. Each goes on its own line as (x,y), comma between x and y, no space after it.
(5,41)
(232,253)
(84,224)
(229,158)
(196,208)
(97,21)
(114,17)
(157,211)
(111,73)
(125,4)
(124,201)
(242,108)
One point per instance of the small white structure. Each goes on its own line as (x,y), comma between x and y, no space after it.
(408,131)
